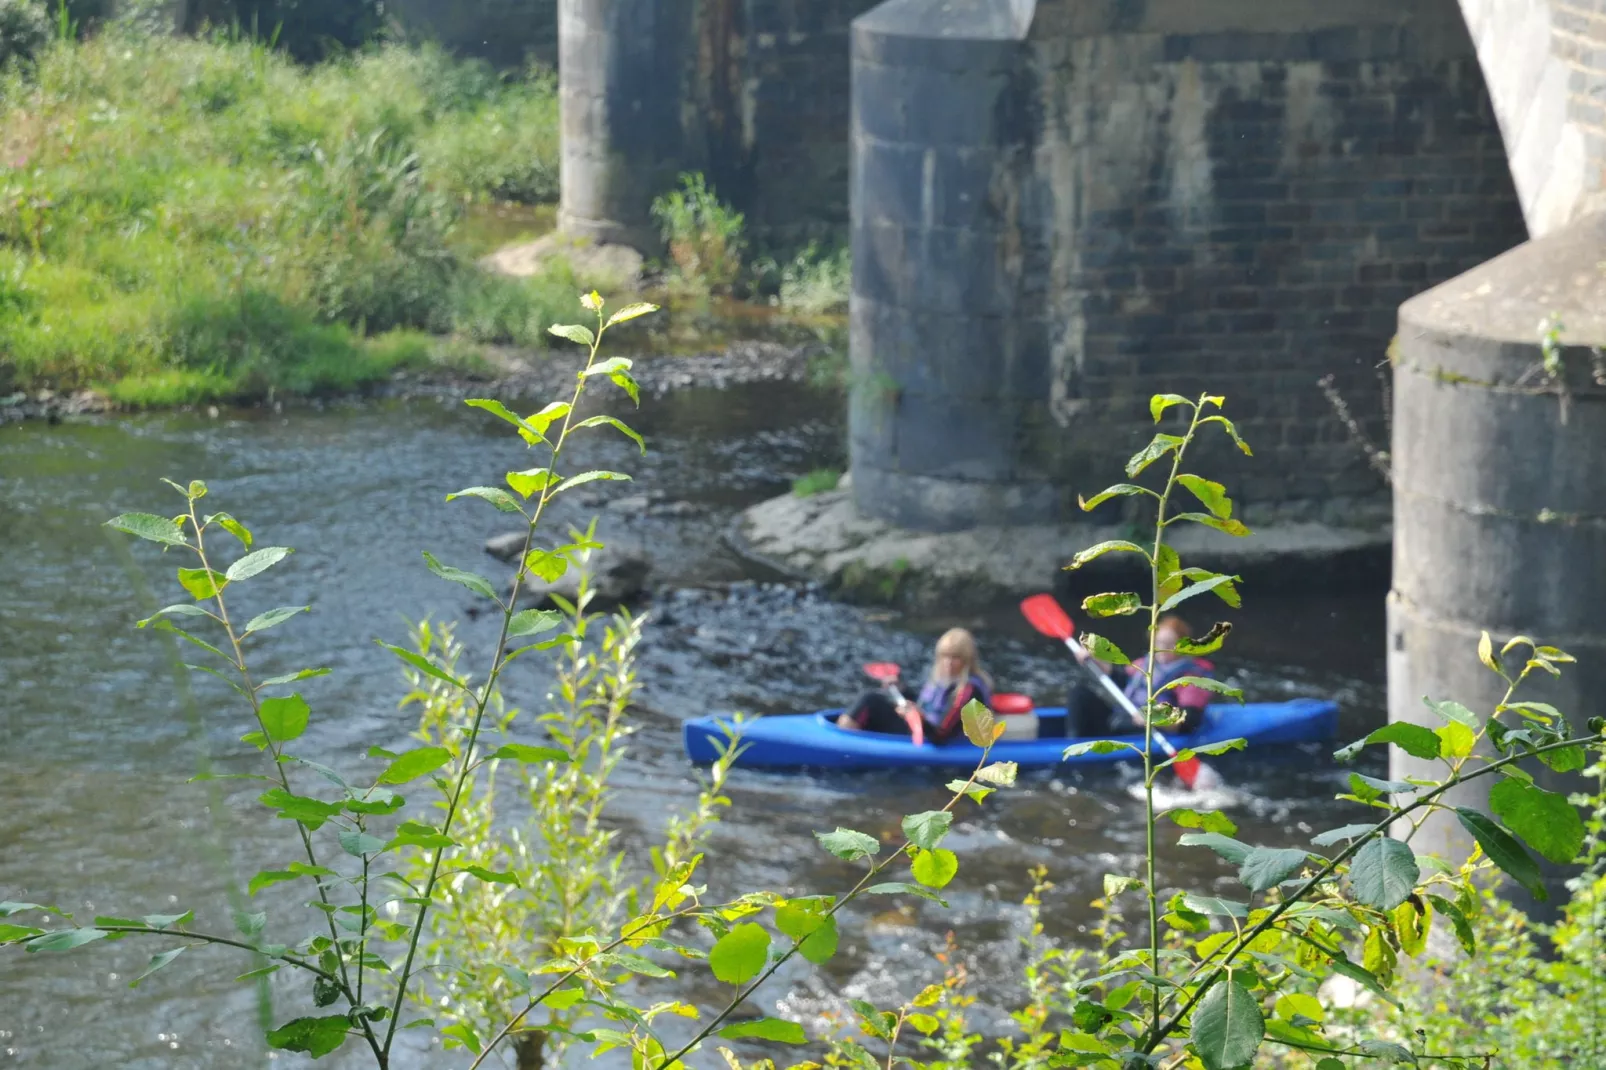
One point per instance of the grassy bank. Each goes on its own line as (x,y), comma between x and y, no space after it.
(183,220)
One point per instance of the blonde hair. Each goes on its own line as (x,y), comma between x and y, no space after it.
(961,643)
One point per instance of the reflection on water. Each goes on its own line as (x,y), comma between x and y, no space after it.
(95,748)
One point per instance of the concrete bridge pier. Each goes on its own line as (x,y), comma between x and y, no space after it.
(1500,494)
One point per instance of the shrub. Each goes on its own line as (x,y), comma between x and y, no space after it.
(703,234)
(24,29)
(198,170)
(816,482)
(817,282)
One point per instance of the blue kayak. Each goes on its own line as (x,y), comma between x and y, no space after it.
(812,740)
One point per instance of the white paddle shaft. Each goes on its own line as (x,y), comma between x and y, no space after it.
(1117,693)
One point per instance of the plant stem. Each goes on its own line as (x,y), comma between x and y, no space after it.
(498,660)
(208,938)
(875,871)
(1149,771)
(235,643)
(1160,1033)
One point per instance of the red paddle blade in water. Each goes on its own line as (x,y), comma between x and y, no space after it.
(883,672)
(1188,772)
(1047,616)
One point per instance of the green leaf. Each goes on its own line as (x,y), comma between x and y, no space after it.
(815,932)
(1413,739)
(157,962)
(630,312)
(1204,683)
(232,526)
(574,333)
(589,477)
(549,566)
(1210,904)
(1504,851)
(1227,1026)
(1208,643)
(495,495)
(1234,528)
(263,621)
(1331,1064)
(11,934)
(1099,746)
(1383,1049)
(1161,402)
(1566,759)
(1455,740)
(529,433)
(357,843)
(936,868)
(739,955)
(775,1029)
(476,583)
(608,367)
(1383,873)
(847,844)
(1265,868)
(292,677)
(1115,885)
(1111,605)
(202,583)
(625,382)
(1347,832)
(1453,711)
(1232,432)
(619,425)
(269,877)
(927,830)
(973,791)
(1158,447)
(1222,585)
(418,834)
(64,940)
(1000,773)
(167,921)
(150,527)
(1459,921)
(1119,490)
(980,726)
(315,1036)
(1207,821)
(1213,496)
(523,752)
(1104,650)
(256,563)
(1362,976)
(901,888)
(300,808)
(531,481)
(284,719)
(422,664)
(1547,821)
(533,622)
(1225,846)
(1099,550)
(183,609)
(414,764)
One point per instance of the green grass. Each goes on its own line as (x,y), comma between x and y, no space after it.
(185,220)
(816,482)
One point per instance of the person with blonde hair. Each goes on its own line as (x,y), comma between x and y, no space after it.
(956,677)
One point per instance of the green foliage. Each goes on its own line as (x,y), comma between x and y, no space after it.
(704,236)
(524,929)
(815,482)
(204,219)
(25,28)
(816,281)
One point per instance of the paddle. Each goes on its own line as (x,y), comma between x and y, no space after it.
(887,674)
(1048,617)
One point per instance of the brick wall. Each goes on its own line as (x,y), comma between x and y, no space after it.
(1578,40)
(1138,210)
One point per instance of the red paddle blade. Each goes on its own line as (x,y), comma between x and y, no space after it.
(1046,615)
(1188,772)
(882,672)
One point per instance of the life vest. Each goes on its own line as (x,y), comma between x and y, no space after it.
(942,705)
(1189,696)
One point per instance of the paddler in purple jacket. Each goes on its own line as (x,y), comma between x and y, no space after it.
(1091,713)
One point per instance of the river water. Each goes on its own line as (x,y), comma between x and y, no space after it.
(95,749)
